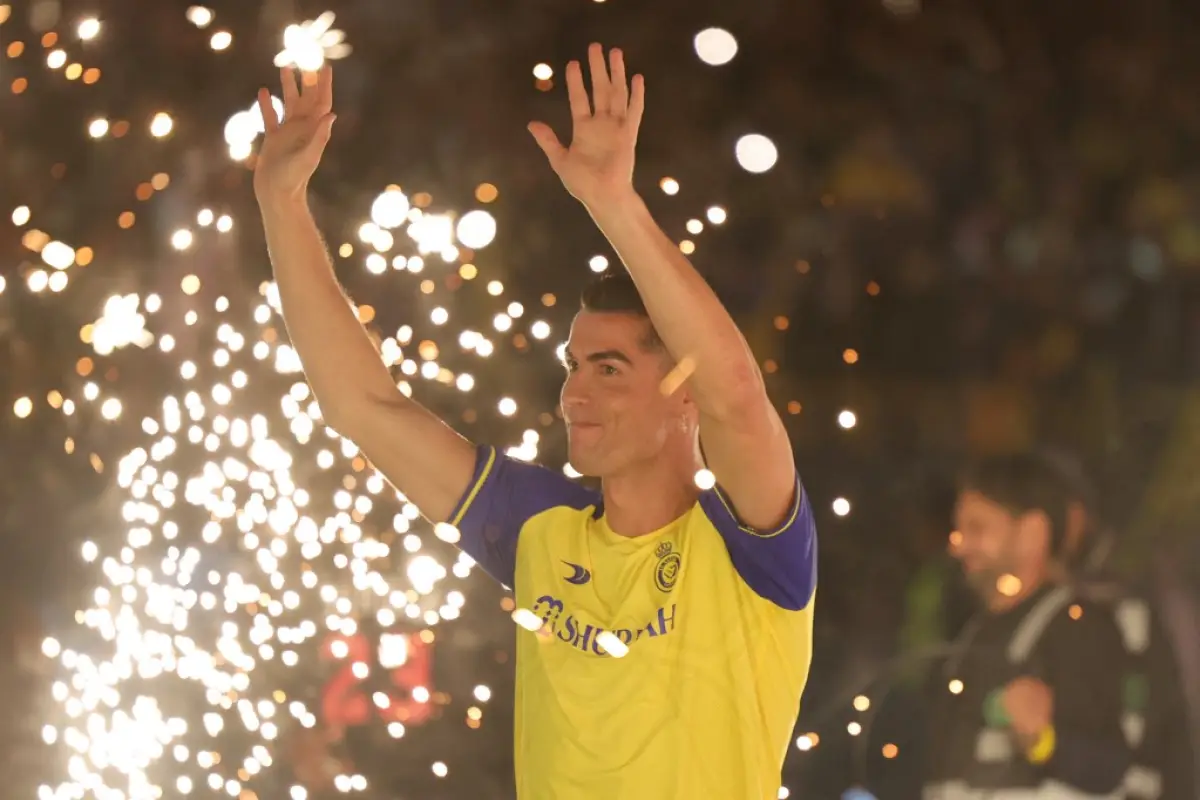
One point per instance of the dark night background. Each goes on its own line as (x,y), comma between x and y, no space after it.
(982,233)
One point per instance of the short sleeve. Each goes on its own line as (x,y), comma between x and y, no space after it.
(779,565)
(503,495)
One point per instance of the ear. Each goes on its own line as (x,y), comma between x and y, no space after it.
(1034,529)
(691,412)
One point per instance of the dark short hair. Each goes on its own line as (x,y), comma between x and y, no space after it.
(1079,484)
(615,292)
(1026,482)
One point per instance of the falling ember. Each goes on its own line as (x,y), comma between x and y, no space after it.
(612,644)
(678,374)
(527,619)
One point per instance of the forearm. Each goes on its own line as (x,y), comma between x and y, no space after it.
(339,359)
(692,322)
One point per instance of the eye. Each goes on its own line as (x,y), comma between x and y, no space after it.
(609,369)
(570,366)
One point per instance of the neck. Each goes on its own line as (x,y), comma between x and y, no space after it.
(648,496)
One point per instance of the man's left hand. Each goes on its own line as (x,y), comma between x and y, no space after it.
(598,165)
(1030,707)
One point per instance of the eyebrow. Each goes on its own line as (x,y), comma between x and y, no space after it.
(601,355)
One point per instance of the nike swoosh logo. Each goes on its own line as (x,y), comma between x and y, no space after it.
(579,576)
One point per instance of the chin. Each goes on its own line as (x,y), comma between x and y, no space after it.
(583,463)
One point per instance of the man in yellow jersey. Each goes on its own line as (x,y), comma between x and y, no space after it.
(670,613)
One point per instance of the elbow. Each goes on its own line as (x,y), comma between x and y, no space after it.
(347,415)
(336,416)
(349,408)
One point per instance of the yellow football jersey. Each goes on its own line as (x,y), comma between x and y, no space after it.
(664,666)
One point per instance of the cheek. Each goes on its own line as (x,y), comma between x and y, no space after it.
(986,545)
(1000,545)
(642,428)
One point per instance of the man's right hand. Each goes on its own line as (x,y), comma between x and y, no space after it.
(292,147)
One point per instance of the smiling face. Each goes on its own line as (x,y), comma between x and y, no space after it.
(616,413)
(997,542)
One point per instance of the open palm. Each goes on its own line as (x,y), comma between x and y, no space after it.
(292,147)
(599,161)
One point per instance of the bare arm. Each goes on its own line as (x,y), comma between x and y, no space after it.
(745,442)
(421,455)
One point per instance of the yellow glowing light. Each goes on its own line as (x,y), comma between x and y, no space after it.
(210,448)
(200,16)
(309,44)
(161,125)
(1008,585)
(89,29)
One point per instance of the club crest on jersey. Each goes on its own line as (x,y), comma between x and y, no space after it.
(666,572)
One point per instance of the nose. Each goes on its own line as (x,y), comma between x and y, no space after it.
(574,392)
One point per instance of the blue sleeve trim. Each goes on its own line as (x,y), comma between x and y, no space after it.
(503,496)
(780,565)
(797,507)
(485,459)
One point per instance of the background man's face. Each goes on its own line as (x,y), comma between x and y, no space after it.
(996,542)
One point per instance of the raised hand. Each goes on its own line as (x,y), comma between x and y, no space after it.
(292,148)
(599,162)
(1030,707)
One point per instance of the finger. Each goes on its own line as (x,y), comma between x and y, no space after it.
(267,109)
(291,94)
(601,86)
(548,141)
(325,90)
(576,94)
(637,104)
(307,107)
(618,101)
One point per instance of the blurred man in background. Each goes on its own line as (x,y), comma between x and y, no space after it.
(1031,702)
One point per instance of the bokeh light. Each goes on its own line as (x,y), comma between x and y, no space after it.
(756,153)
(715,46)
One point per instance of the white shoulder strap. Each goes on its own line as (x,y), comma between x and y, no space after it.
(1029,631)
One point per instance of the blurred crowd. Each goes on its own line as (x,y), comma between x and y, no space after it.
(983,235)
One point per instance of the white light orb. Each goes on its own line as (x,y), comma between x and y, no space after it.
(715,46)
(58,255)
(242,127)
(756,153)
(390,209)
(476,229)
